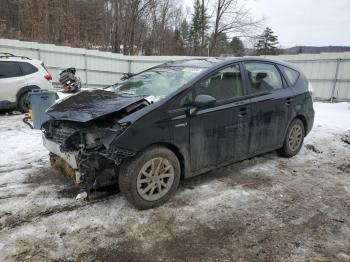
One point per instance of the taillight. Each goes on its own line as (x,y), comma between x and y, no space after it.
(48,77)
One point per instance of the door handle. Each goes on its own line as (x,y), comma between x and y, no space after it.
(181,125)
(243,111)
(289,100)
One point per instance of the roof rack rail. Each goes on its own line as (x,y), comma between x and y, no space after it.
(8,55)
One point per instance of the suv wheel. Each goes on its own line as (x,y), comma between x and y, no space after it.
(151,178)
(22,103)
(294,139)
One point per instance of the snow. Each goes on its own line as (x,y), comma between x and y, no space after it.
(40,219)
(19,145)
(331,118)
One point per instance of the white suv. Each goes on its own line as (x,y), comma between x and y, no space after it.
(18,76)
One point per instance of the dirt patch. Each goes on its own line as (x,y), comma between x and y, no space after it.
(346,138)
(313,148)
(229,239)
(14,169)
(181,201)
(48,176)
(12,196)
(249,180)
(69,192)
(13,220)
(345,168)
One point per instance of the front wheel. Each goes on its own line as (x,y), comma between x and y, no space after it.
(151,178)
(294,139)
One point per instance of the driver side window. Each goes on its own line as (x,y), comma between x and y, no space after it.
(222,85)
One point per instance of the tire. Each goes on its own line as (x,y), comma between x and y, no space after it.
(294,139)
(144,186)
(22,103)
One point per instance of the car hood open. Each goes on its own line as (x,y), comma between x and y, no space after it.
(91,104)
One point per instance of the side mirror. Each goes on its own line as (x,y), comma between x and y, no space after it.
(204,101)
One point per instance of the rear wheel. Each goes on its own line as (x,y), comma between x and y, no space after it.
(294,139)
(150,179)
(22,103)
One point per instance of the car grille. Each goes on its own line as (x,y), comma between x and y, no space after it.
(60,134)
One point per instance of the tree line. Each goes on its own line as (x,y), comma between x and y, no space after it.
(148,27)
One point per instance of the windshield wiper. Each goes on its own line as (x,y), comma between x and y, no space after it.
(123,78)
(105,87)
(126,93)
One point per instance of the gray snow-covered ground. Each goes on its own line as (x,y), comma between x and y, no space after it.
(263,209)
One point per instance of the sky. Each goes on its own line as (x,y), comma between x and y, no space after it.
(304,22)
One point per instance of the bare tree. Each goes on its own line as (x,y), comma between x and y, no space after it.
(232,17)
(152,27)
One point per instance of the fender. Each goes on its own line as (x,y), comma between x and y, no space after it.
(25,89)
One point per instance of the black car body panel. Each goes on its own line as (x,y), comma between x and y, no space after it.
(203,139)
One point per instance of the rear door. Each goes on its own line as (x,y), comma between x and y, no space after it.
(11,80)
(272,104)
(220,134)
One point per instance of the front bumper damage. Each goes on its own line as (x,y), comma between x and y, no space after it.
(89,169)
(70,159)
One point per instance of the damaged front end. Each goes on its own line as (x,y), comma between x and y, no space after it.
(86,150)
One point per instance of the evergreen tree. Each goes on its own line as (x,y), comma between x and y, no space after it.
(179,46)
(237,46)
(204,27)
(195,33)
(267,43)
(199,27)
(185,33)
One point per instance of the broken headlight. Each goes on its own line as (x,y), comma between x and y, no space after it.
(93,139)
(104,136)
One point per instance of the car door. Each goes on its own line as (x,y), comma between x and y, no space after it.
(11,80)
(271,105)
(219,134)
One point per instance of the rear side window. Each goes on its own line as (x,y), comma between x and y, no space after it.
(27,68)
(9,69)
(292,75)
(263,77)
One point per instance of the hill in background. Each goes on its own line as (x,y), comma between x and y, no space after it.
(315,49)
(307,50)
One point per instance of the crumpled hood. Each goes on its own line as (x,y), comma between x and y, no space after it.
(90,104)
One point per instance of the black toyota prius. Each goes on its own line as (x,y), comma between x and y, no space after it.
(178,120)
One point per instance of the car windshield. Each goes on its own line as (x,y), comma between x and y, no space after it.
(157,83)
